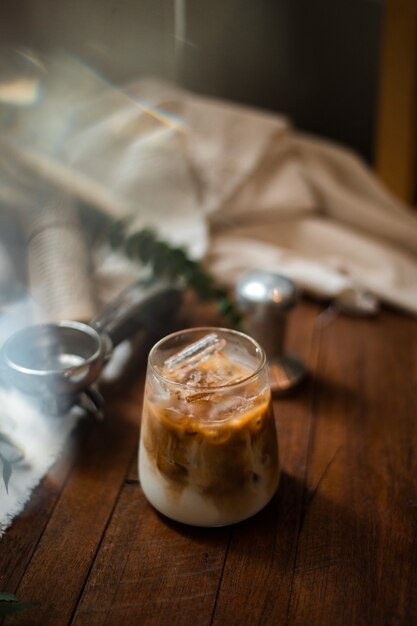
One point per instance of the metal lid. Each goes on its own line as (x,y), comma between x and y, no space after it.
(266,289)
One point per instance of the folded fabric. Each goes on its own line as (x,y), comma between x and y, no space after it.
(281,201)
(238,183)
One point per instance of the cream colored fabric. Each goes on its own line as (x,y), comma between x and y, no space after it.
(282,201)
(240,187)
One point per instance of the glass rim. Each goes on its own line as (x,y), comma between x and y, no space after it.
(212,388)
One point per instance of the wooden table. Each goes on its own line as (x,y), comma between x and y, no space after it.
(337,545)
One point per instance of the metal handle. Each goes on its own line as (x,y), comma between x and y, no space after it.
(146,304)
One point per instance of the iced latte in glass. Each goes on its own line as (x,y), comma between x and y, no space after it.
(208,452)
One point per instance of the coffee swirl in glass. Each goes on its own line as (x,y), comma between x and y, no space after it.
(208,453)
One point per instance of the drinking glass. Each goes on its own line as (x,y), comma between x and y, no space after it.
(208,453)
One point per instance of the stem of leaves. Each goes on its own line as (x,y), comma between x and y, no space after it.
(165,261)
(173,263)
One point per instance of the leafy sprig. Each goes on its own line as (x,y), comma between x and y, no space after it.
(165,260)
(10,604)
(8,460)
(171,262)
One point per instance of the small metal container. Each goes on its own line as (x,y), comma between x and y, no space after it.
(57,362)
(265,299)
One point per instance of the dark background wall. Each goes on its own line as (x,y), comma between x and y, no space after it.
(314,60)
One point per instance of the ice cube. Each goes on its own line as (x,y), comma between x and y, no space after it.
(202,366)
(193,354)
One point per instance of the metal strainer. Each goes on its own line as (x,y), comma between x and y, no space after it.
(57,361)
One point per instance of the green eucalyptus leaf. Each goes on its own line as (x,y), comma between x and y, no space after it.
(117,233)
(161,261)
(219,292)
(235,320)
(147,245)
(15,607)
(96,223)
(10,451)
(133,245)
(7,472)
(162,258)
(177,259)
(8,597)
(225,305)
(6,439)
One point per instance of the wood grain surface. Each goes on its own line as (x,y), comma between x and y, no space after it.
(336,545)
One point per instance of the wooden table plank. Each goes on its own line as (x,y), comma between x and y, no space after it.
(56,574)
(153,571)
(258,574)
(20,541)
(353,562)
(335,546)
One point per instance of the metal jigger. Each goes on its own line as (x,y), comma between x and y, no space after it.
(265,298)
